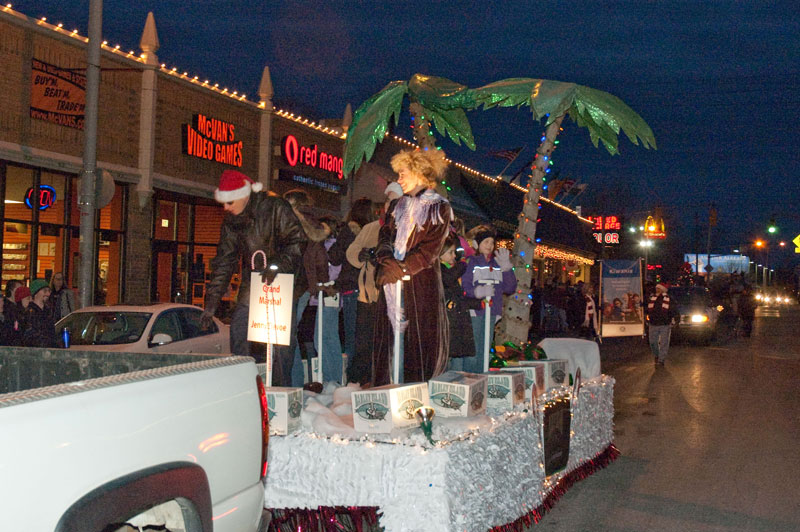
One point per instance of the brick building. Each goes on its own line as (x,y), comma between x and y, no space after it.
(164,137)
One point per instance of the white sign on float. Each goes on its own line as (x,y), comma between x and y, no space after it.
(270,318)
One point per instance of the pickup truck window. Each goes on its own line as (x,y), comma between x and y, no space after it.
(105,328)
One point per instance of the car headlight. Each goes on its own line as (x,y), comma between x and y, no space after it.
(767,299)
(699,318)
(758,296)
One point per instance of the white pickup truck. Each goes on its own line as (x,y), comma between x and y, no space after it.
(100,442)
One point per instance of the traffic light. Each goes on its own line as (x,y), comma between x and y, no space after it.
(772,228)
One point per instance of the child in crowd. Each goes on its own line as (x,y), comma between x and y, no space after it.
(461,340)
(488,276)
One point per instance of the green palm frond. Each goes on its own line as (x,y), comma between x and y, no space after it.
(439,94)
(453,123)
(511,92)
(371,123)
(603,114)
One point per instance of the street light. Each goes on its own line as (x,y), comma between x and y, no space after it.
(646,244)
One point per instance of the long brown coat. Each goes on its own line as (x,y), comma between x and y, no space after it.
(426,337)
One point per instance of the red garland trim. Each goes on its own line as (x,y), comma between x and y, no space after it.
(585,470)
(325,519)
(354,518)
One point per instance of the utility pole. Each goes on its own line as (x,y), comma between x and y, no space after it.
(86,199)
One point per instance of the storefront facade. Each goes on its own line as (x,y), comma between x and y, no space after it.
(164,138)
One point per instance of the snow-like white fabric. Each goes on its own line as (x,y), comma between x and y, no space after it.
(483,472)
(582,354)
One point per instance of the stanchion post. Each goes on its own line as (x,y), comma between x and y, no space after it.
(317,372)
(487,337)
(397,359)
(268,376)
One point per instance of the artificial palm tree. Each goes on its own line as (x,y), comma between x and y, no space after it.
(603,114)
(431,99)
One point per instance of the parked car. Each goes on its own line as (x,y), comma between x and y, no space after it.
(159,328)
(698,313)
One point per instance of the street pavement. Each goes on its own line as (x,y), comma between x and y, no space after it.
(709,442)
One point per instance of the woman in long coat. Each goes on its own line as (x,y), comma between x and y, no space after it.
(409,245)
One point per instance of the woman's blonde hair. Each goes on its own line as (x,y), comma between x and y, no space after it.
(429,164)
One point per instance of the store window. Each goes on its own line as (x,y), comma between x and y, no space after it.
(41,230)
(186,231)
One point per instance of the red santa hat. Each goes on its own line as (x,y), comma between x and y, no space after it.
(234,185)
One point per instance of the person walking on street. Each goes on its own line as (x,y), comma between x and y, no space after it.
(40,329)
(746,307)
(256,221)
(662,315)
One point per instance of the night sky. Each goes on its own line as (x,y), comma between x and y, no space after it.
(716,81)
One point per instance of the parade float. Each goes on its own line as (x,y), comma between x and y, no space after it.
(441,455)
(462,452)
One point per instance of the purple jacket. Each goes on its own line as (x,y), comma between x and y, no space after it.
(479,268)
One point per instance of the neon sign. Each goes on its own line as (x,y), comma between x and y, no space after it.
(293,154)
(605,229)
(213,140)
(47,197)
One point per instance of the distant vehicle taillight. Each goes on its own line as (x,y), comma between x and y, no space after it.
(262,401)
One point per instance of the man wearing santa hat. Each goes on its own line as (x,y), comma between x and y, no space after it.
(255,221)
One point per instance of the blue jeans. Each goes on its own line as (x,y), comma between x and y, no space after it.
(475,364)
(331,345)
(659,341)
(349,306)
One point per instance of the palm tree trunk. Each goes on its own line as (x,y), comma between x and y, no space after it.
(516,323)
(422,127)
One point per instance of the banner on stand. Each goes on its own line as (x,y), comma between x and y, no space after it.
(622,313)
(270,318)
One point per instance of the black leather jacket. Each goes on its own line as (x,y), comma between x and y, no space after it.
(268,224)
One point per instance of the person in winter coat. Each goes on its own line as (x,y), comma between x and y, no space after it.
(62,299)
(40,329)
(590,324)
(662,315)
(746,307)
(361,213)
(316,231)
(11,334)
(461,339)
(256,221)
(488,275)
(409,244)
(322,276)
(361,255)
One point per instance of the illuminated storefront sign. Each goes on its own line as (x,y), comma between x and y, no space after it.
(47,197)
(654,227)
(213,140)
(289,175)
(606,229)
(293,154)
